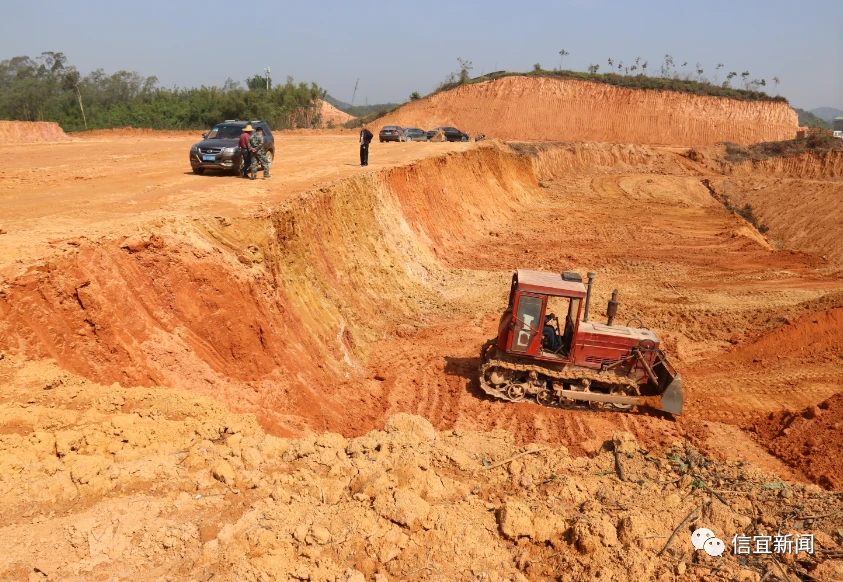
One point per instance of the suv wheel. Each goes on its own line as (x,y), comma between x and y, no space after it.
(199,171)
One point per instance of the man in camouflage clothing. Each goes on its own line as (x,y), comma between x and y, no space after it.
(258,154)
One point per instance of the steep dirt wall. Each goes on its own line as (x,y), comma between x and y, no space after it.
(797,197)
(264,313)
(31,132)
(560,160)
(811,165)
(544,109)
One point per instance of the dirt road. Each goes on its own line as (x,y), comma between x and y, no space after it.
(107,186)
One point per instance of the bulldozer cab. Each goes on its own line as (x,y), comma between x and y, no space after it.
(543,314)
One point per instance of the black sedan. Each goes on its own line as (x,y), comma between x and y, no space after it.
(450,133)
(390,133)
(414,134)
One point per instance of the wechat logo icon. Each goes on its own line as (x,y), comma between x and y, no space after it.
(704,539)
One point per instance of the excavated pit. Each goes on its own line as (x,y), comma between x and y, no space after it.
(370,296)
(127,359)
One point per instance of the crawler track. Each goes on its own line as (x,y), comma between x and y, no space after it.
(612,390)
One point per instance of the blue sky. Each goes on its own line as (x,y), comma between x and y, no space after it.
(395,47)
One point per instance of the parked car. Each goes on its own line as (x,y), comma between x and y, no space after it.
(219,149)
(390,133)
(451,134)
(414,134)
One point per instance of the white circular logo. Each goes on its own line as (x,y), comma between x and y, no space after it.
(699,537)
(714,547)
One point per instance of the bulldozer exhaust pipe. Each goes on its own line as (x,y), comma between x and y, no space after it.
(612,309)
(591,277)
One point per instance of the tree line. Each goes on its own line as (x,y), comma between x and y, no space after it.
(48,88)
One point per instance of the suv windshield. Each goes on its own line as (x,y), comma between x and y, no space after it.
(225,132)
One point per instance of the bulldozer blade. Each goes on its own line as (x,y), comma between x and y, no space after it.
(672,399)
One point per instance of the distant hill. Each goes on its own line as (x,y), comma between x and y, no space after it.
(360,110)
(806,119)
(827,114)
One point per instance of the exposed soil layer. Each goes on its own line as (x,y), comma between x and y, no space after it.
(545,109)
(818,144)
(332,299)
(333,116)
(410,265)
(809,439)
(157,484)
(31,132)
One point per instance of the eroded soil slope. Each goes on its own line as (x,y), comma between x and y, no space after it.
(372,295)
(544,109)
(799,198)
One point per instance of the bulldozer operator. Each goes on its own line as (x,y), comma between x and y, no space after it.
(550,337)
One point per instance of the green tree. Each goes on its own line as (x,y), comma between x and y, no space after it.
(258,82)
(70,82)
(415,96)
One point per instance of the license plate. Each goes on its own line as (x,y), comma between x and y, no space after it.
(209,158)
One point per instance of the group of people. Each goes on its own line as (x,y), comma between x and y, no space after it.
(251,149)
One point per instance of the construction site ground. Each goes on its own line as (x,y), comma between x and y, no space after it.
(193,365)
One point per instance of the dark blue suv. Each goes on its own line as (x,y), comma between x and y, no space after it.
(219,150)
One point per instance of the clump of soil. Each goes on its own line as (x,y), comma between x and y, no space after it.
(13,132)
(809,439)
(99,481)
(818,143)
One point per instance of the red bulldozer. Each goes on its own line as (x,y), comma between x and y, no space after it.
(574,362)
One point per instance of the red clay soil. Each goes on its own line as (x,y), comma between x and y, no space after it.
(372,294)
(31,132)
(545,109)
(810,440)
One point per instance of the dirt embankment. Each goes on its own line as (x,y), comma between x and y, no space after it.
(136,133)
(100,481)
(31,132)
(333,116)
(810,165)
(370,295)
(543,109)
(265,313)
(797,197)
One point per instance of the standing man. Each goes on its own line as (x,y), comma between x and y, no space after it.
(258,154)
(244,149)
(365,139)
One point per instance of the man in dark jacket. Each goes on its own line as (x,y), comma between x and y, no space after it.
(365,139)
(244,149)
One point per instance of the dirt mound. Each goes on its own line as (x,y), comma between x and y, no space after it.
(810,439)
(545,109)
(31,132)
(100,481)
(136,132)
(332,115)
